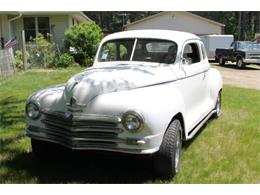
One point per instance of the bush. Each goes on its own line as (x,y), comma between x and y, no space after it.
(84,39)
(19,59)
(64,60)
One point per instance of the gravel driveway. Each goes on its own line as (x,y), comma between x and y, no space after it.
(246,78)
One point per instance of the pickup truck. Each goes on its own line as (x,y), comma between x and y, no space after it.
(241,52)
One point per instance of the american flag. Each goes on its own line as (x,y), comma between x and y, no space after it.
(11,43)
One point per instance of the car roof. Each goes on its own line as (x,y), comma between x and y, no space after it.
(176,36)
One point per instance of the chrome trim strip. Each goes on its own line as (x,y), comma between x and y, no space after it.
(82,116)
(170,81)
(200,124)
(93,146)
(85,128)
(53,135)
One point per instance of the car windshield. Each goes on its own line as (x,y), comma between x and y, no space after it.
(248,45)
(145,50)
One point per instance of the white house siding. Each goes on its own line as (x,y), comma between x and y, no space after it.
(3,26)
(17,27)
(59,23)
(178,21)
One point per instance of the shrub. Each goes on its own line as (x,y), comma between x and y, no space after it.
(19,59)
(64,60)
(84,39)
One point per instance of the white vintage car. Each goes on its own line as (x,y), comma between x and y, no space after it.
(147,91)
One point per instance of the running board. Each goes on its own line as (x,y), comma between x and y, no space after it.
(197,128)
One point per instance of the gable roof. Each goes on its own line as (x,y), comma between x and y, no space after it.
(183,12)
(73,13)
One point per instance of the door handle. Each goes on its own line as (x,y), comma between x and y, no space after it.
(204,75)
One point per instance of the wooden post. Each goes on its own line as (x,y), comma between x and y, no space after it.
(24,51)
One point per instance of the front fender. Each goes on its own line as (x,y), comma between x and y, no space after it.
(157,104)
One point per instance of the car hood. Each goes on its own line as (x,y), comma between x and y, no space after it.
(94,81)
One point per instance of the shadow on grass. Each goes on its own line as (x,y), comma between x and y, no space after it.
(11,111)
(79,167)
(85,166)
(69,166)
(72,167)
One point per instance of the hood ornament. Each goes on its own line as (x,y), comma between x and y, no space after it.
(75,107)
(73,101)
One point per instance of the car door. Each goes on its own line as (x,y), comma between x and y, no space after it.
(193,84)
(231,51)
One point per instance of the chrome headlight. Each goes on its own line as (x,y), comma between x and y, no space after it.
(132,121)
(32,110)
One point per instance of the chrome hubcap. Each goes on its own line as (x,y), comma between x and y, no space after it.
(239,63)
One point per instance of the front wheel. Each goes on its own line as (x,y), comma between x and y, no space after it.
(240,64)
(167,159)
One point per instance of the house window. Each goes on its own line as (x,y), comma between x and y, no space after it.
(29,28)
(43,25)
(34,25)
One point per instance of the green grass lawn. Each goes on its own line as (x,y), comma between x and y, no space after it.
(226,150)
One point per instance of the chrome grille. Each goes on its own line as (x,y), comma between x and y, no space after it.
(81,132)
(254,55)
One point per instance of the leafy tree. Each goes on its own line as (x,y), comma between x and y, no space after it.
(111,21)
(243,25)
(82,41)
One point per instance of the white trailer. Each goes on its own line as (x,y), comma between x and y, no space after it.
(212,42)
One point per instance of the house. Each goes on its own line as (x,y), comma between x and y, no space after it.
(55,23)
(178,20)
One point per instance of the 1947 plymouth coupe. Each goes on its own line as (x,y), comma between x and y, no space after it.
(147,91)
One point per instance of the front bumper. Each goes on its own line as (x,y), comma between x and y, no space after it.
(92,132)
(251,61)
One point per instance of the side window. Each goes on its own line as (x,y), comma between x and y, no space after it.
(116,50)
(191,53)
(108,52)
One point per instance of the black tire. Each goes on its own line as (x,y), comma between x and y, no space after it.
(240,64)
(167,159)
(217,107)
(221,61)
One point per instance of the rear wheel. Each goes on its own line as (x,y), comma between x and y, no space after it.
(240,64)
(167,159)
(221,61)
